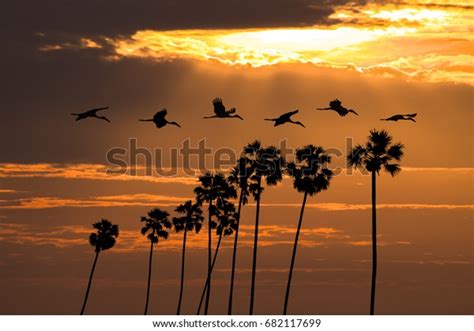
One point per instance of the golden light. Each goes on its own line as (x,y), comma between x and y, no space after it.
(410,14)
(431,43)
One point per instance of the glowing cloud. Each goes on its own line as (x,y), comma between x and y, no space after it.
(415,41)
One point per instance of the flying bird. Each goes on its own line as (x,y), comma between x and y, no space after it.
(91,113)
(285,118)
(337,106)
(221,112)
(400,117)
(160,120)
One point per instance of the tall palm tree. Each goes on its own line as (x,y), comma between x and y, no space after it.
(104,238)
(190,221)
(212,188)
(377,153)
(225,225)
(310,176)
(156,227)
(267,164)
(239,177)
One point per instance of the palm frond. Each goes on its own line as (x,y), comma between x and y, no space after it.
(396,151)
(392,168)
(356,156)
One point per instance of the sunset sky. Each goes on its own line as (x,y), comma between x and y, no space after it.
(265,58)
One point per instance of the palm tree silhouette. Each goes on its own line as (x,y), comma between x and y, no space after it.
(267,164)
(104,238)
(377,153)
(225,225)
(156,226)
(309,177)
(212,188)
(190,221)
(239,177)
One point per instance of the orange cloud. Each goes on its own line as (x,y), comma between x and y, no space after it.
(130,200)
(150,200)
(365,243)
(7,191)
(415,40)
(82,171)
(132,240)
(334,206)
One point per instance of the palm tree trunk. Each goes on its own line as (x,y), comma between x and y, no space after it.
(208,280)
(149,279)
(209,256)
(374,245)
(182,271)
(90,283)
(255,242)
(295,247)
(234,255)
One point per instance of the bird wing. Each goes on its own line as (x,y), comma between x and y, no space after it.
(289,114)
(341,111)
(95,110)
(219,107)
(411,115)
(395,118)
(160,115)
(336,103)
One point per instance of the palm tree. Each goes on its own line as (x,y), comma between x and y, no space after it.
(268,164)
(238,177)
(309,177)
(190,221)
(225,225)
(377,153)
(156,226)
(104,238)
(212,188)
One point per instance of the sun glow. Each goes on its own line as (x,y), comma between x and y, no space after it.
(410,14)
(432,42)
(250,47)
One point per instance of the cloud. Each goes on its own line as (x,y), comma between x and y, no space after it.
(82,171)
(439,170)
(88,17)
(435,262)
(82,43)
(366,243)
(7,191)
(150,200)
(362,36)
(132,240)
(129,200)
(334,206)
(100,172)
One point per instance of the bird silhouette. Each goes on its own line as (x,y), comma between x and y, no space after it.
(91,113)
(160,120)
(221,112)
(285,118)
(337,106)
(400,117)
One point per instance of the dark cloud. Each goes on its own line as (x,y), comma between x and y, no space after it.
(112,17)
